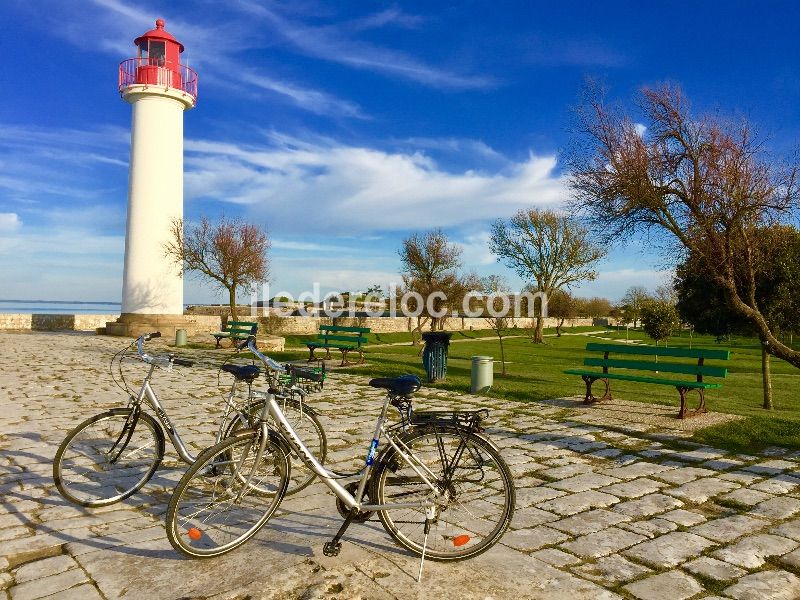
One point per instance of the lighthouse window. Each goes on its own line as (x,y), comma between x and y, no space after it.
(156,53)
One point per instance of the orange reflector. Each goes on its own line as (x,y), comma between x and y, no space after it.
(460,540)
(195,533)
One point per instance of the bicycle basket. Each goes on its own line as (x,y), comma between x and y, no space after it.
(309,379)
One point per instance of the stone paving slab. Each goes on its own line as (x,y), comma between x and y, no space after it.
(604,509)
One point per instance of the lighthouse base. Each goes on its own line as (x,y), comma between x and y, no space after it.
(135,324)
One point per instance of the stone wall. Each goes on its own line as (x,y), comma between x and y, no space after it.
(57,322)
(53,322)
(310,325)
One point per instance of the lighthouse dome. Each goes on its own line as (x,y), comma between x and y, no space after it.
(159,33)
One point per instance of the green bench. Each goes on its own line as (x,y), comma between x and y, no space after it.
(235,331)
(342,338)
(637,358)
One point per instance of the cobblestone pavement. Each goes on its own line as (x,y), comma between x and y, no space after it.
(602,512)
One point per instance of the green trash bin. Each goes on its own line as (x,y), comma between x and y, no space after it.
(482,374)
(180,337)
(434,355)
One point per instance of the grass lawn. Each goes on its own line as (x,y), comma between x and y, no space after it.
(535,373)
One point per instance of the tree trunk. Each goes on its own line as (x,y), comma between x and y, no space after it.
(537,336)
(414,340)
(558,327)
(766,377)
(232,301)
(502,356)
(776,348)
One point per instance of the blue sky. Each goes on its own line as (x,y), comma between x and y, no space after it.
(343,127)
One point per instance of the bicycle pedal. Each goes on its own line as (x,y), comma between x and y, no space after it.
(331,548)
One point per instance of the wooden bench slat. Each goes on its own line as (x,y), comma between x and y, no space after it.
(338,345)
(710,354)
(642,379)
(343,338)
(343,328)
(667,367)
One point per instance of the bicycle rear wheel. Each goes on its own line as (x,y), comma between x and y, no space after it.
(477,500)
(227,495)
(305,422)
(108,457)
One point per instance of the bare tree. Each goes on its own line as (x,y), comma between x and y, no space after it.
(633,301)
(229,253)
(561,305)
(550,249)
(496,312)
(431,269)
(704,185)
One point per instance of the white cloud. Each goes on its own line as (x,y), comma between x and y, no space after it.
(640,128)
(311,100)
(334,42)
(9,222)
(299,186)
(614,283)
(475,250)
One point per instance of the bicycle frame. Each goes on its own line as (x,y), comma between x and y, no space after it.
(329,478)
(148,396)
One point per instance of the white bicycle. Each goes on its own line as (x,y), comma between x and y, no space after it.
(439,487)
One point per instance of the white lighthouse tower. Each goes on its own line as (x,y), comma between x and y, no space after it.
(159,89)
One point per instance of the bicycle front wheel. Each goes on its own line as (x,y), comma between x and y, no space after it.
(227,495)
(476,494)
(306,424)
(108,457)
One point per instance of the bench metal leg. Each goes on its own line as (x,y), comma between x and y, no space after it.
(685,412)
(591,398)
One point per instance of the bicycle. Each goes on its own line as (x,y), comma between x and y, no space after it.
(452,491)
(111,455)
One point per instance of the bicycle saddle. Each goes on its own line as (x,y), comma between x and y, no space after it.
(405,385)
(246,373)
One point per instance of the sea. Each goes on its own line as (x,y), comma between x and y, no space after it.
(59,307)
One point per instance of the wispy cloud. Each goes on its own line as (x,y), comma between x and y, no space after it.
(36,162)
(9,222)
(311,100)
(335,42)
(113,23)
(300,186)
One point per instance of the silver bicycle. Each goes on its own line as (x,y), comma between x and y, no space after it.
(439,486)
(111,455)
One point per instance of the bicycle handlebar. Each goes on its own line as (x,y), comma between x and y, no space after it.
(268,362)
(160,361)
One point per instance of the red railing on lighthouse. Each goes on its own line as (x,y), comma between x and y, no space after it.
(157,72)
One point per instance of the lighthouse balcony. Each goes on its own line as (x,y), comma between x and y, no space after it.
(149,72)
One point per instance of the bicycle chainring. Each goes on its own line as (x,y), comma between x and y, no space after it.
(361,517)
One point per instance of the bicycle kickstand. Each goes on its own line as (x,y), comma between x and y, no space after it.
(429,515)
(333,547)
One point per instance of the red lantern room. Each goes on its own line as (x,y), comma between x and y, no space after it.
(158,63)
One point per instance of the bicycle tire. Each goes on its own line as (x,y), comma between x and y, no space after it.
(231,507)
(308,428)
(481,494)
(90,470)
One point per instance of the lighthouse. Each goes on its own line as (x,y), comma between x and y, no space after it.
(159,89)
